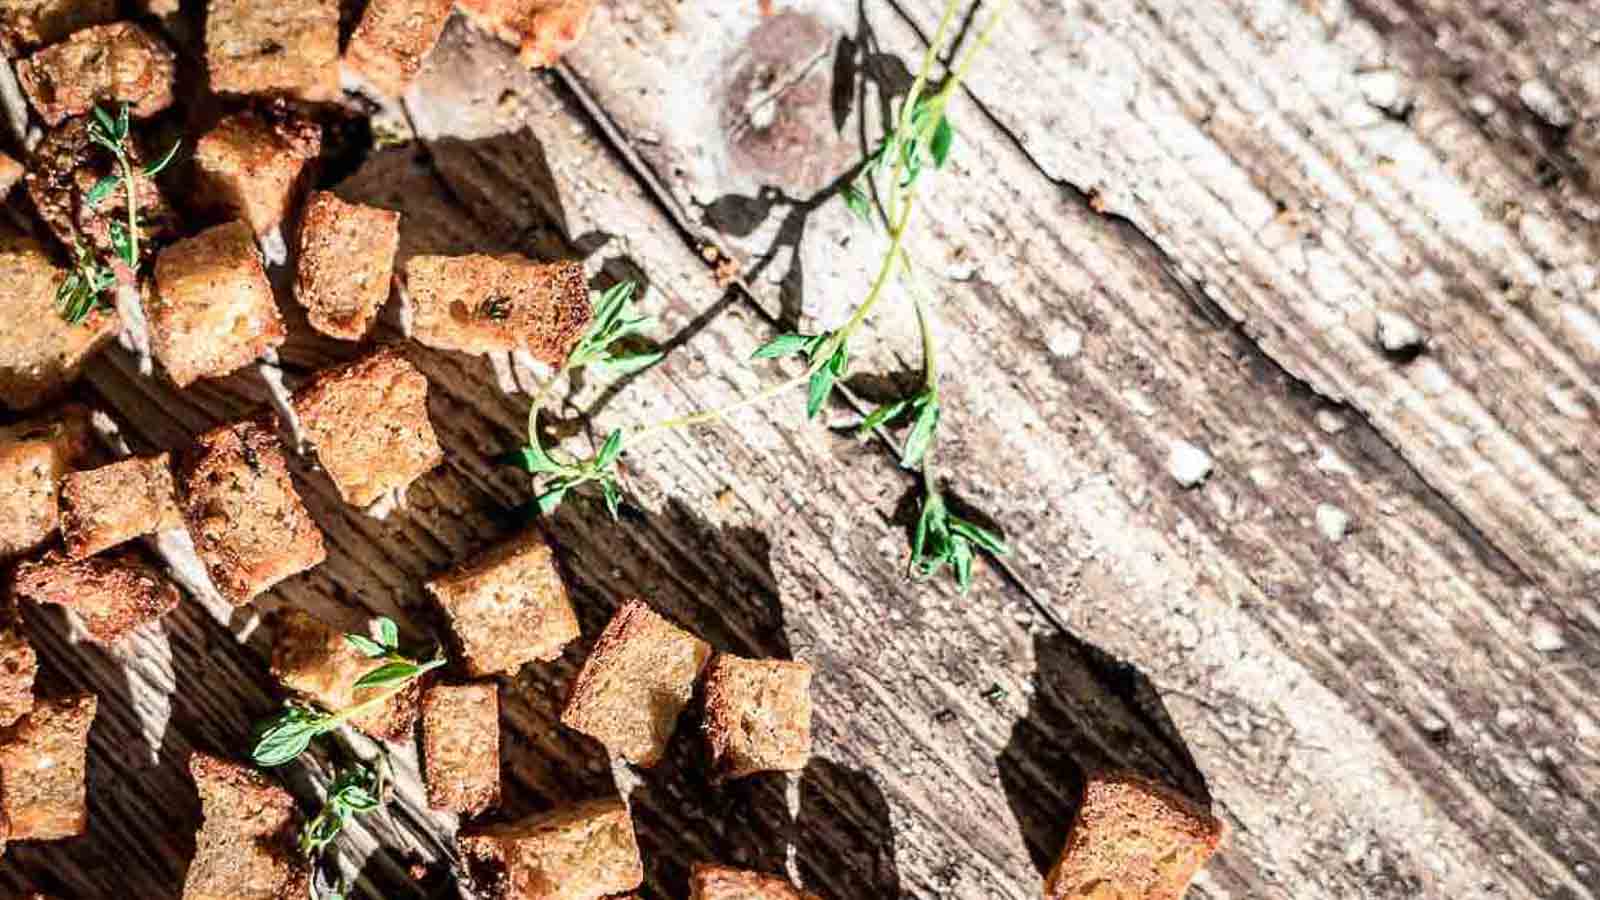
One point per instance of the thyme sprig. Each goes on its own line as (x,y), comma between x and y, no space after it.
(356,789)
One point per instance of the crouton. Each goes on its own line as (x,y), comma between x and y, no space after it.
(18,666)
(316,661)
(487,304)
(369,423)
(635,683)
(252,166)
(248,524)
(346,264)
(113,64)
(104,507)
(213,309)
(461,746)
(65,167)
(391,40)
(111,594)
(42,768)
(708,882)
(580,852)
(33,457)
(541,30)
(10,174)
(246,845)
(279,49)
(758,715)
(508,605)
(1132,838)
(42,353)
(26,24)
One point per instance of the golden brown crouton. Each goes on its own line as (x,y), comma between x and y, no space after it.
(369,423)
(315,661)
(245,849)
(508,605)
(708,882)
(33,457)
(542,30)
(461,746)
(635,684)
(391,39)
(114,64)
(346,263)
(10,174)
(112,594)
(26,24)
(758,715)
(248,524)
(42,769)
(1132,838)
(281,49)
(104,507)
(252,166)
(487,304)
(65,167)
(41,352)
(580,852)
(213,309)
(18,666)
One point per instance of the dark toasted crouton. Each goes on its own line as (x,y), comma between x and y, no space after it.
(392,38)
(635,684)
(10,174)
(508,605)
(66,166)
(104,507)
(42,352)
(248,524)
(246,846)
(487,304)
(542,30)
(316,661)
(112,594)
(1132,838)
(279,49)
(708,882)
(461,746)
(42,768)
(213,309)
(346,263)
(580,852)
(758,715)
(33,457)
(369,423)
(26,24)
(252,166)
(18,666)
(114,64)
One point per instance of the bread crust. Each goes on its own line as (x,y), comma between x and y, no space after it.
(461,746)
(758,715)
(245,847)
(1132,837)
(43,761)
(27,24)
(492,304)
(113,64)
(213,310)
(508,605)
(346,264)
(111,594)
(34,454)
(253,165)
(103,507)
(580,852)
(42,353)
(392,38)
(541,30)
(314,660)
(274,49)
(18,667)
(713,882)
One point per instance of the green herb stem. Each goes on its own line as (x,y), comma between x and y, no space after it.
(333,720)
(133,210)
(711,415)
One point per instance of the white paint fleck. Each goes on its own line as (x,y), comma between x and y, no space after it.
(1139,402)
(1065,342)
(1397,333)
(1329,421)
(1433,724)
(1332,521)
(1385,89)
(274,249)
(1482,105)
(1545,635)
(408,313)
(1567,401)
(504,378)
(279,393)
(135,335)
(1188,464)
(1508,717)
(1544,102)
(1329,462)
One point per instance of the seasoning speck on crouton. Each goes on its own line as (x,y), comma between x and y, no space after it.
(369,423)
(251,166)
(246,846)
(33,457)
(758,715)
(1132,838)
(42,767)
(18,666)
(708,882)
(248,524)
(276,49)
(635,683)
(41,353)
(315,661)
(213,309)
(391,39)
(26,24)
(580,852)
(508,605)
(10,174)
(542,30)
(104,507)
(112,594)
(117,63)
(461,746)
(346,264)
(487,304)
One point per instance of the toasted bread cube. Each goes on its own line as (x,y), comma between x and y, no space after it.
(10,174)
(18,666)
(277,49)
(541,30)
(246,845)
(42,353)
(508,605)
(369,423)
(488,304)
(42,768)
(33,457)
(461,746)
(708,882)
(248,524)
(213,310)
(112,594)
(112,64)
(62,172)
(635,684)
(315,661)
(101,508)
(346,264)
(758,715)
(580,852)
(26,24)
(1132,838)
(251,167)
(392,38)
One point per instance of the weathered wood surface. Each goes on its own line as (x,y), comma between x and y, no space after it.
(1382,715)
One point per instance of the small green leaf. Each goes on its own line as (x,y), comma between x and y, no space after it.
(107,124)
(856,200)
(930,522)
(356,798)
(821,388)
(613,495)
(608,451)
(388,632)
(121,134)
(839,360)
(286,737)
(121,243)
(961,560)
(550,499)
(984,538)
(944,136)
(633,362)
(532,458)
(784,345)
(101,190)
(920,438)
(368,647)
(389,673)
(156,167)
(881,416)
